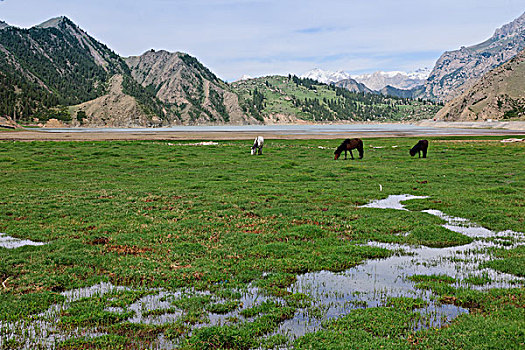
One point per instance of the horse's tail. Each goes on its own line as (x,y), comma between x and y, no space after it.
(360,148)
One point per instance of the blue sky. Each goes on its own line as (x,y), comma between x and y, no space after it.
(262,37)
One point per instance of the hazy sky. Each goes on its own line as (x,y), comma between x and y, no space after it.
(261,37)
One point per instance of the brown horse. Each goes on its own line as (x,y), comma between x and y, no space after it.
(421,146)
(349,145)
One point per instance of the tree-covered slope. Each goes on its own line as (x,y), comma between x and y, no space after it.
(58,64)
(276,98)
(55,63)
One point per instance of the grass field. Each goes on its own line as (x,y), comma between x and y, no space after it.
(212,223)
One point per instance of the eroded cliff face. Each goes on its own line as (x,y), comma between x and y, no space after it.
(456,71)
(499,94)
(184,83)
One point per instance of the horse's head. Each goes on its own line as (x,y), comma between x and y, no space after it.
(339,150)
(253,150)
(413,151)
(360,149)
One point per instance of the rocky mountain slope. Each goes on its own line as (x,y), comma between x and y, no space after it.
(456,71)
(393,91)
(114,109)
(55,70)
(499,94)
(195,94)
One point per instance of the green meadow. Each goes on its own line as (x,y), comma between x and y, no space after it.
(215,221)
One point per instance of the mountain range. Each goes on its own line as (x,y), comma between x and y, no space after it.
(397,79)
(454,72)
(57,70)
(374,81)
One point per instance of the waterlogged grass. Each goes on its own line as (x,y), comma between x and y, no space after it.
(91,312)
(148,215)
(509,260)
(376,328)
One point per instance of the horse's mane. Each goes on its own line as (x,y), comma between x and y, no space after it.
(341,147)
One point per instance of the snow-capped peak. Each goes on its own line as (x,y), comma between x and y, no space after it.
(245,77)
(375,81)
(325,76)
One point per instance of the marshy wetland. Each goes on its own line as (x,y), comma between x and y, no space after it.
(156,244)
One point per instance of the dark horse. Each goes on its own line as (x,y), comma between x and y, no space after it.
(422,145)
(349,145)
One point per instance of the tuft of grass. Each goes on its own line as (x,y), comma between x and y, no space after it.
(509,260)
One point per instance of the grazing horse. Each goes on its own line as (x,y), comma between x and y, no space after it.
(258,145)
(349,145)
(422,145)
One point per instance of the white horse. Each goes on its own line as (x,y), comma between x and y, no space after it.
(258,145)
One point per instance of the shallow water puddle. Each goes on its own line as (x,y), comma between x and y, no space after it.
(392,202)
(43,332)
(370,284)
(13,243)
(463,226)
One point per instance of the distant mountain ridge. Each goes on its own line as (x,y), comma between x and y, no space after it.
(278,99)
(325,76)
(56,70)
(397,79)
(456,71)
(373,81)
